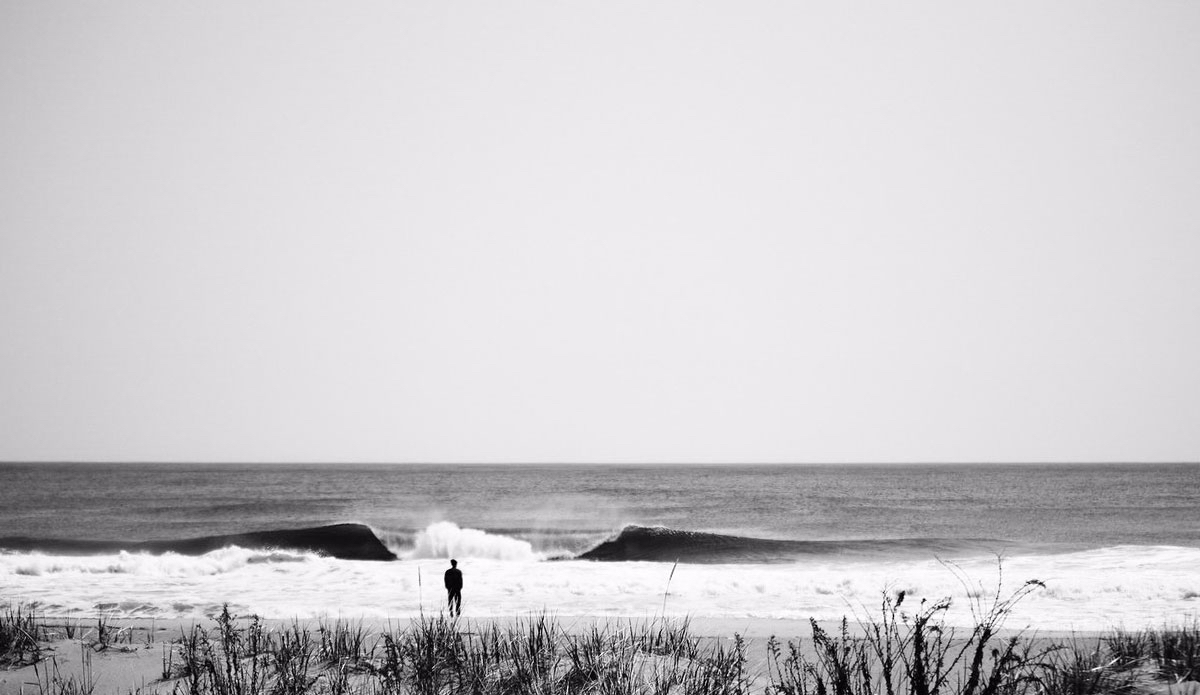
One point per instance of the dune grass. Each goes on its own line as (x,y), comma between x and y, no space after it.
(903,647)
(21,634)
(1173,652)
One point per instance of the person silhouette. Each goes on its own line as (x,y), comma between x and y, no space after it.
(454,588)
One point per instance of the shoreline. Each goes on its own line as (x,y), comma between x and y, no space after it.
(1095,591)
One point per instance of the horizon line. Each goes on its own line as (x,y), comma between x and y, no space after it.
(186,462)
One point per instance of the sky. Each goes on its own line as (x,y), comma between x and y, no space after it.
(599,231)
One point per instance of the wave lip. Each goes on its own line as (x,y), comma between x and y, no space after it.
(342,541)
(666,545)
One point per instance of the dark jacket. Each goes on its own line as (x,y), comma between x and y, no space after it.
(454,579)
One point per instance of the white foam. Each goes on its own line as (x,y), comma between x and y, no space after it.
(1133,586)
(219,561)
(446,540)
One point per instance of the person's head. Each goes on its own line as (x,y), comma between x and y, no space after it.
(454,563)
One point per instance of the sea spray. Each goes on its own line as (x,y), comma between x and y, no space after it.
(445,539)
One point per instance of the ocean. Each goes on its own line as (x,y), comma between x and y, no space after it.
(1115,545)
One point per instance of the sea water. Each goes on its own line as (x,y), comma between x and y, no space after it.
(1114,545)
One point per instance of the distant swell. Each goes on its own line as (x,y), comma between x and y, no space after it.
(668,545)
(342,541)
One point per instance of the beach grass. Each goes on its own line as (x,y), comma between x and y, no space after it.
(1172,651)
(903,648)
(21,634)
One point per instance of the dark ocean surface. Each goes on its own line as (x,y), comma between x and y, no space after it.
(571,508)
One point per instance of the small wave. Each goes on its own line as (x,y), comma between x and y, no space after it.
(445,540)
(342,541)
(217,562)
(666,545)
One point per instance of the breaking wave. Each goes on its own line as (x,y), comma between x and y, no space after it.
(446,540)
(667,545)
(341,541)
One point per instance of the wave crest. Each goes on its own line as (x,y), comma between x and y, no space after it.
(445,539)
(343,541)
(666,544)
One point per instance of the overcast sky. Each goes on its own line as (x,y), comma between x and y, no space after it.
(599,231)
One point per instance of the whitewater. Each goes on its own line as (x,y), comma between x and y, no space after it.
(1114,545)
(1098,589)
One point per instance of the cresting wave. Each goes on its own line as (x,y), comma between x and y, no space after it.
(667,545)
(341,541)
(444,539)
(348,541)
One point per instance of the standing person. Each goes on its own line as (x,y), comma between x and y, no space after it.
(454,588)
